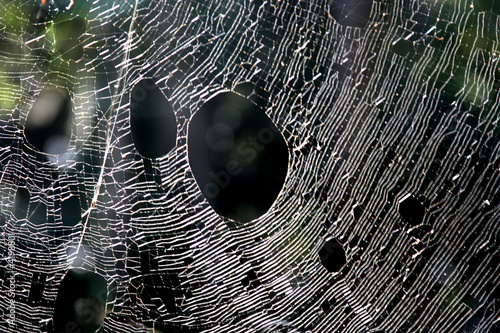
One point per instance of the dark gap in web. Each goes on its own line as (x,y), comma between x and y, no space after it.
(152,120)
(71,211)
(21,202)
(351,13)
(332,255)
(80,303)
(67,37)
(48,125)
(411,210)
(37,212)
(238,156)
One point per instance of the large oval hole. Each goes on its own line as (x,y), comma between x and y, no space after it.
(80,303)
(238,157)
(48,125)
(152,120)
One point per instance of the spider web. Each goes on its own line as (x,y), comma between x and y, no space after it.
(391,121)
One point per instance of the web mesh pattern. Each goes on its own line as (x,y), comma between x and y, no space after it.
(393,141)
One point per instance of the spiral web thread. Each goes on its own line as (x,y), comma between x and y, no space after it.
(405,107)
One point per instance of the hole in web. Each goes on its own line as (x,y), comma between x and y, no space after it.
(488,5)
(71,211)
(37,212)
(67,34)
(411,210)
(37,287)
(21,202)
(152,120)
(332,255)
(48,125)
(80,302)
(351,13)
(238,157)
